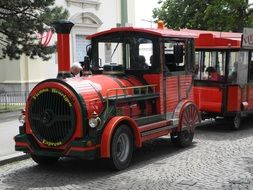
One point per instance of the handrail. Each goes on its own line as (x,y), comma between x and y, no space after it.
(126,89)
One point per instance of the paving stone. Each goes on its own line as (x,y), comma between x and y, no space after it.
(218,159)
(187,182)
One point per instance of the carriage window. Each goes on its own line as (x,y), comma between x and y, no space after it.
(238,67)
(210,65)
(174,56)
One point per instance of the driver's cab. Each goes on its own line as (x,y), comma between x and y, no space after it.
(155,57)
(123,53)
(140,52)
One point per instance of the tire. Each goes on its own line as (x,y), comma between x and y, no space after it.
(44,160)
(189,118)
(182,139)
(235,122)
(121,148)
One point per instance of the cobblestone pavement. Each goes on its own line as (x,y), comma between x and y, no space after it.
(218,159)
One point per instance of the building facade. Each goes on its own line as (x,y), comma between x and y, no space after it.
(89,16)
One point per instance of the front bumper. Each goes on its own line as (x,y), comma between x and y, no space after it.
(79,148)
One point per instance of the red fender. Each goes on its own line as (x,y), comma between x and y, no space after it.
(179,109)
(105,147)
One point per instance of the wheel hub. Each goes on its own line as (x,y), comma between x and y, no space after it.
(122,147)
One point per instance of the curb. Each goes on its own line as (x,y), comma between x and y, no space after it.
(6,116)
(13,158)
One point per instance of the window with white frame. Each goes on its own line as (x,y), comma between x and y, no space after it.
(81,44)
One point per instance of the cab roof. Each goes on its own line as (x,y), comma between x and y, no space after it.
(152,31)
(203,38)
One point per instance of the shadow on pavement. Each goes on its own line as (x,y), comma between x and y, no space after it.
(220,130)
(84,173)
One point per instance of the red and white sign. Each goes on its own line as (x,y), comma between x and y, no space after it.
(247,41)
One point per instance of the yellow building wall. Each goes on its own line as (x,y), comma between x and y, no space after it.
(9,70)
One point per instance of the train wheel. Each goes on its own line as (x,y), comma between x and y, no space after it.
(189,118)
(44,160)
(236,122)
(121,148)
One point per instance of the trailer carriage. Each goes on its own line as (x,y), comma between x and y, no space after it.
(229,96)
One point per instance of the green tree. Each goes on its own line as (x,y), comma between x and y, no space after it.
(21,22)
(221,15)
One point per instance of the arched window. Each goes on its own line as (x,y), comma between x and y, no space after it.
(86,23)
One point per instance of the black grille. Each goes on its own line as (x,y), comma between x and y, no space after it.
(52,117)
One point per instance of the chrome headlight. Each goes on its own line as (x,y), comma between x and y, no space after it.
(94,122)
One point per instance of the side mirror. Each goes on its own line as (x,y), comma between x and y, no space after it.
(89,51)
(86,64)
(178,53)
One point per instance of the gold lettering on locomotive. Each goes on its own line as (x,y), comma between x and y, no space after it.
(52,144)
(65,98)
(53,90)
(39,93)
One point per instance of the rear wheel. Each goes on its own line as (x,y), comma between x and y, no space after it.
(44,160)
(189,118)
(182,138)
(121,148)
(235,122)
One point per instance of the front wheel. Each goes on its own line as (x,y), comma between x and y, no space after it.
(44,160)
(121,148)
(189,118)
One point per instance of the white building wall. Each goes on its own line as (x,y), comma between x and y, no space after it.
(98,15)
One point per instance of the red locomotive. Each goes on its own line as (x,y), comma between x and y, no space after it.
(224,75)
(137,87)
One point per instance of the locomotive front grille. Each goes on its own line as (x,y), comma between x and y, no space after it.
(51,117)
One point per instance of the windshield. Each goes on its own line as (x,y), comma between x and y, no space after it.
(130,53)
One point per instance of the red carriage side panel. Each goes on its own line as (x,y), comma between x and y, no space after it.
(250,96)
(234,97)
(177,89)
(172,91)
(208,98)
(186,90)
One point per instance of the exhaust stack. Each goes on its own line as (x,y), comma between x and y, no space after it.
(63,29)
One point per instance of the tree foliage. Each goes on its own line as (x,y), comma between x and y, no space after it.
(21,22)
(221,15)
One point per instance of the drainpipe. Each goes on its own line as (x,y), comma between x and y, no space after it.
(124,16)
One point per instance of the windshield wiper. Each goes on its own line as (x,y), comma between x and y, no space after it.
(114,49)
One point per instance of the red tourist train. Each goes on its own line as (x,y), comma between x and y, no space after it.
(224,76)
(137,86)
